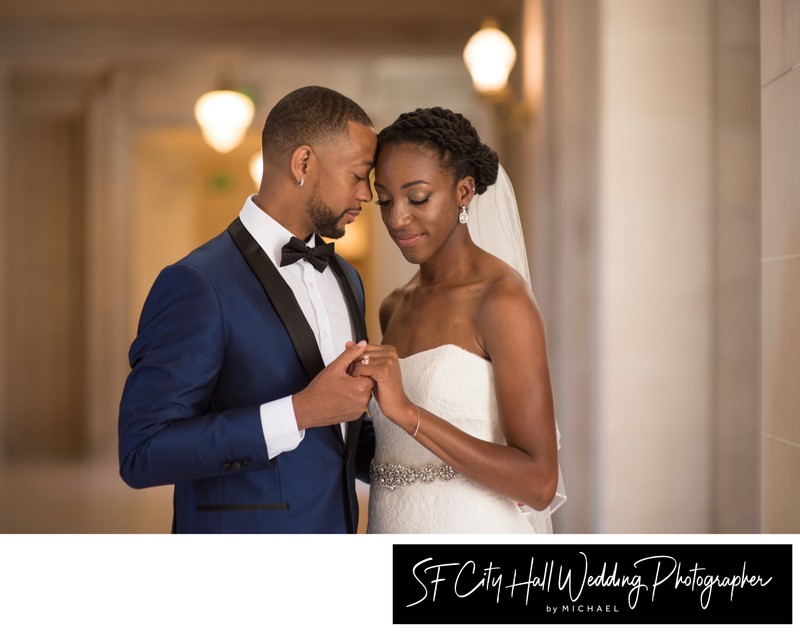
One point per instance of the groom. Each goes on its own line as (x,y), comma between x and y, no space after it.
(239,392)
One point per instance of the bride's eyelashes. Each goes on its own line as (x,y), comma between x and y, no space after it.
(410,201)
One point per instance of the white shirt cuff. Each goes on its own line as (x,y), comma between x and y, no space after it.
(280,426)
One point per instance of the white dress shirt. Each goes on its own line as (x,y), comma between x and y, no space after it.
(320,298)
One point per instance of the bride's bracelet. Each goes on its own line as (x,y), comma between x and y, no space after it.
(416,430)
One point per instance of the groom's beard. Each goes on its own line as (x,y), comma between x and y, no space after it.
(326,222)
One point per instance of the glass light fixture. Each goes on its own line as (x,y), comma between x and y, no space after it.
(224,116)
(489,55)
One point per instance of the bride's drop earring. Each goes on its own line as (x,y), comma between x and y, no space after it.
(463,216)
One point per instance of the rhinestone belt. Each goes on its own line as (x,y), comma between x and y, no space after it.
(391,475)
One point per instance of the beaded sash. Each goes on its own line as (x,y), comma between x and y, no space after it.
(391,476)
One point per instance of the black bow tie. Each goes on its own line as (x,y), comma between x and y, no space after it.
(297,249)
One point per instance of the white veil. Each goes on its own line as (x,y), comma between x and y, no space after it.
(494,226)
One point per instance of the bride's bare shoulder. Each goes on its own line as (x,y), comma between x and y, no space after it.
(502,281)
(507,302)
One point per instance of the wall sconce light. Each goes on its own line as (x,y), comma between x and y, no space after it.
(489,56)
(224,116)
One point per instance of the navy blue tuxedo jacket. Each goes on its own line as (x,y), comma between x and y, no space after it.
(220,334)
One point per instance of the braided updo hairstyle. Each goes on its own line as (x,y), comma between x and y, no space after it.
(452,136)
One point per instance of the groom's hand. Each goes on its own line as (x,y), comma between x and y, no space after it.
(334,395)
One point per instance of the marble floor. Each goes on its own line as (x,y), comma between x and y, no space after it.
(85,497)
(78,497)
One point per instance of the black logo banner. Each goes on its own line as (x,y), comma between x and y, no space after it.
(599,583)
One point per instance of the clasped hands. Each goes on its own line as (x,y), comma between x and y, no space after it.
(381,364)
(341,391)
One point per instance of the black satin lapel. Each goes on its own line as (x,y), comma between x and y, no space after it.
(281,297)
(360,327)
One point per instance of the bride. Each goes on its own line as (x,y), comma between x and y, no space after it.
(466,439)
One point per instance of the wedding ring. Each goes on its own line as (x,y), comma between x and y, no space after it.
(365,359)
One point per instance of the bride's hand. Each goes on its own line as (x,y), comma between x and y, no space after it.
(382,364)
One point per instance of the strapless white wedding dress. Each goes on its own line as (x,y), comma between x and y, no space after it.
(412,491)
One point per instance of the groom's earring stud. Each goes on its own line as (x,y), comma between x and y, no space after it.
(301,182)
(463,216)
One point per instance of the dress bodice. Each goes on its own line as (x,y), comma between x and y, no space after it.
(458,386)
(450,382)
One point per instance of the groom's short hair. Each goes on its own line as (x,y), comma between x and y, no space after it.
(308,116)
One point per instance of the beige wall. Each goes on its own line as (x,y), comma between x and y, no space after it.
(4,259)
(559,199)
(645,225)
(736,262)
(654,270)
(780,265)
